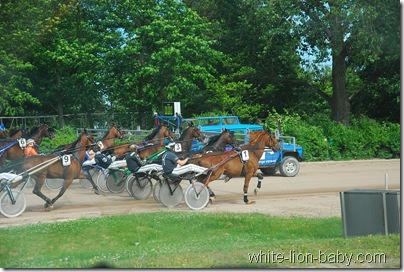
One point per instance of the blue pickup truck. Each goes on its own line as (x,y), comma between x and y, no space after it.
(286,161)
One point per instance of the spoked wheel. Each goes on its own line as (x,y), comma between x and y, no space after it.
(86,183)
(140,187)
(156,191)
(196,196)
(54,183)
(7,208)
(116,182)
(170,197)
(102,181)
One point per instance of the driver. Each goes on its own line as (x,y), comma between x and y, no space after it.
(133,160)
(170,161)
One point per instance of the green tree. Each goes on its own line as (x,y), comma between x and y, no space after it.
(67,62)
(154,51)
(350,32)
(378,92)
(263,64)
(17,35)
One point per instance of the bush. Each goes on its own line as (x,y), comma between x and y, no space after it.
(63,136)
(323,139)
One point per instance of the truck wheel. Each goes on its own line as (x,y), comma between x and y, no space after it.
(289,167)
(269,171)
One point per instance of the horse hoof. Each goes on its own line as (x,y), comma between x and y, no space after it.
(250,202)
(256,190)
(211,200)
(96,191)
(48,207)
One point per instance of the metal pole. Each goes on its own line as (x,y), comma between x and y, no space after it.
(386,181)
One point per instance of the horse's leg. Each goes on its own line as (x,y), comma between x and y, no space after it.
(90,178)
(211,193)
(203,180)
(66,184)
(39,181)
(245,189)
(260,178)
(213,176)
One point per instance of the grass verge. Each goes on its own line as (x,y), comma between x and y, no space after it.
(195,240)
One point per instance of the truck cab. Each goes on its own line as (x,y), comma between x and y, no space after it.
(286,160)
(218,123)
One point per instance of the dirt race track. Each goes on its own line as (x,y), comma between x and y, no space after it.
(314,192)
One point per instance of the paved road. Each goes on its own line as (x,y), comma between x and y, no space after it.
(314,192)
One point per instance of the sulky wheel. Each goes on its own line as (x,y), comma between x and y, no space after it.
(54,183)
(102,181)
(140,187)
(94,172)
(116,182)
(170,195)
(156,191)
(196,196)
(7,208)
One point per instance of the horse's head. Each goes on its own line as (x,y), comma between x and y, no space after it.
(121,135)
(88,140)
(229,138)
(196,132)
(42,131)
(117,132)
(167,133)
(271,141)
(51,133)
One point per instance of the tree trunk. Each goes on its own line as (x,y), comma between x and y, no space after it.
(61,120)
(340,106)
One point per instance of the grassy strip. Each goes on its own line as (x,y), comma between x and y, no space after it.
(194,240)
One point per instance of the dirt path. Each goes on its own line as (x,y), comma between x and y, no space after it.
(314,192)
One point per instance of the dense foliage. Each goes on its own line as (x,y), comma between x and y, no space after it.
(321,138)
(340,58)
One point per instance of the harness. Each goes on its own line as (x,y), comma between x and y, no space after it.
(236,153)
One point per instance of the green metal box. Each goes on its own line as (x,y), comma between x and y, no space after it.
(367,212)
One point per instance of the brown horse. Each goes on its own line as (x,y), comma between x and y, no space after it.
(17,134)
(15,151)
(235,164)
(156,137)
(114,132)
(219,142)
(184,143)
(70,171)
(108,140)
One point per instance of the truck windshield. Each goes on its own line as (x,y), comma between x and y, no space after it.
(230,121)
(210,122)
